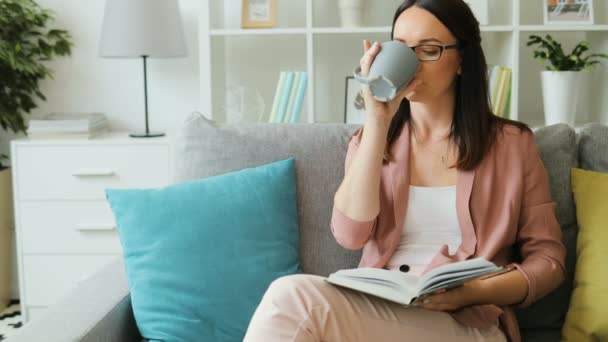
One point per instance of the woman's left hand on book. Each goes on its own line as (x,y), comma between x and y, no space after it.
(451,299)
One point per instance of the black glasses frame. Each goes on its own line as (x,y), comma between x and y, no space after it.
(443,48)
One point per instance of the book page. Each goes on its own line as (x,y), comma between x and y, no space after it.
(392,285)
(401,278)
(386,290)
(447,277)
(455,270)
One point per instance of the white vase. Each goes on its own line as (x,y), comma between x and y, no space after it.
(351,12)
(565,96)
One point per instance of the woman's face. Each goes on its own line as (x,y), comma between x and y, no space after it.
(416,26)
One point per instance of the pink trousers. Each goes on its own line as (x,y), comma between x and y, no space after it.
(305,307)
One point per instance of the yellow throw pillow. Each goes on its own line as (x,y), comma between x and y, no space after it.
(587,318)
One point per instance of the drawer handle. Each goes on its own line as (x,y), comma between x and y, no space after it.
(83,227)
(93,173)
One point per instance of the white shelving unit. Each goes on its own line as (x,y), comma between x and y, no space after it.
(309,38)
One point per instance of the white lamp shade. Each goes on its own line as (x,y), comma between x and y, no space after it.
(134,28)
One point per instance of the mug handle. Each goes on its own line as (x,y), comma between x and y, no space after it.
(367,81)
(358,77)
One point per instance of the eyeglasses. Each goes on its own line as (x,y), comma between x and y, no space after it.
(431,53)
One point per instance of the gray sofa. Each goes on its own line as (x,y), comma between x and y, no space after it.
(99,308)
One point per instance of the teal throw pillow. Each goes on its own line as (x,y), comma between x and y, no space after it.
(199,255)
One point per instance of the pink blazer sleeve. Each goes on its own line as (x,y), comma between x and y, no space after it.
(539,235)
(349,233)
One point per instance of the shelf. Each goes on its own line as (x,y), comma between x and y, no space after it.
(497,28)
(387,29)
(572,28)
(350,30)
(257,32)
(334,30)
(311,39)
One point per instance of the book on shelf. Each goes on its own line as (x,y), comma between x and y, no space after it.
(277,96)
(69,136)
(67,125)
(289,97)
(284,102)
(299,101)
(408,289)
(499,89)
(292,96)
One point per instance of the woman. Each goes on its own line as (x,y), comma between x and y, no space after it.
(432,177)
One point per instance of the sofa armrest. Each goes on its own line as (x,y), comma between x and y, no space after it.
(97,309)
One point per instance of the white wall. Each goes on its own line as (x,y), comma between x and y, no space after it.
(84,82)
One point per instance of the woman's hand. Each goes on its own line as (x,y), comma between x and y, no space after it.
(373,107)
(454,298)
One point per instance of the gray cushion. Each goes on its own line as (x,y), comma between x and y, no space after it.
(558,150)
(593,147)
(205,148)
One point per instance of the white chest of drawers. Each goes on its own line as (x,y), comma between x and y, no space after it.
(65,229)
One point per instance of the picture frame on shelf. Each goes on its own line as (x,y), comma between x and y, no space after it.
(354,105)
(480,10)
(559,12)
(259,13)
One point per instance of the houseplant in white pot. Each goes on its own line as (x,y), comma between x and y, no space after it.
(565,80)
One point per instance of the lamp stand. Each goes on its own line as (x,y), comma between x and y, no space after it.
(147,133)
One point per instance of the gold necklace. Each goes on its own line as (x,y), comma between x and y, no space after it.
(442,156)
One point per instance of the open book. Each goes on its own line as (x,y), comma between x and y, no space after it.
(407,289)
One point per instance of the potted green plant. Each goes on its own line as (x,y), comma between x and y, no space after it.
(25,44)
(565,80)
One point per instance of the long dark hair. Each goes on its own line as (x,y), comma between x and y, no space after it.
(474,126)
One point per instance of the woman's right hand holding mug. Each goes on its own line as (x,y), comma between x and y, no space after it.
(373,108)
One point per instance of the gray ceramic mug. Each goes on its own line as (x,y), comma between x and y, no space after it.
(393,68)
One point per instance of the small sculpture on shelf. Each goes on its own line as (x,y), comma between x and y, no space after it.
(243,104)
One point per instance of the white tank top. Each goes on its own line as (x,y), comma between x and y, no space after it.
(431,221)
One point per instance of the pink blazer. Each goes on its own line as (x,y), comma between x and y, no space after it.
(504,203)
